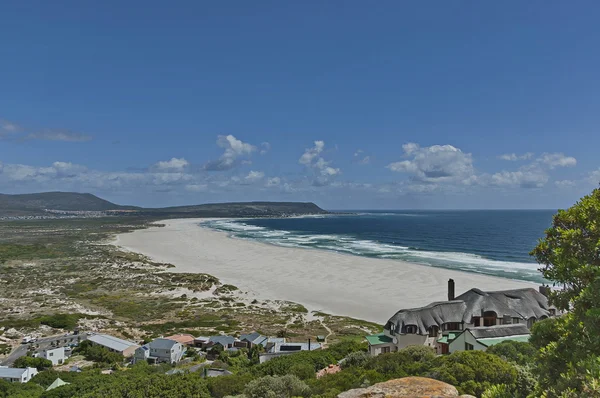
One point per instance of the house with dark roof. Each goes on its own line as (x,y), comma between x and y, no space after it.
(482,337)
(160,350)
(439,323)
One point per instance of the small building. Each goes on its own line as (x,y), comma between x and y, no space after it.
(114,344)
(56,355)
(480,338)
(255,339)
(215,372)
(17,375)
(225,341)
(280,349)
(183,338)
(160,351)
(201,341)
(57,383)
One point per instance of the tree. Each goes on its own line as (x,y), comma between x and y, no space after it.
(287,386)
(515,351)
(29,362)
(570,256)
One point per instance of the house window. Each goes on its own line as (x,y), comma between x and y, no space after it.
(51,354)
(489,318)
(530,322)
(433,331)
(385,350)
(468,347)
(452,326)
(411,329)
(515,321)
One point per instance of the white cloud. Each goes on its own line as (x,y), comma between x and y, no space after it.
(273,182)
(554,160)
(513,157)
(565,184)
(9,127)
(59,135)
(521,178)
(310,158)
(234,148)
(311,153)
(175,164)
(360,159)
(365,160)
(254,176)
(437,163)
(594,177)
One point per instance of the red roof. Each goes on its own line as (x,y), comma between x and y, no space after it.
(182,338)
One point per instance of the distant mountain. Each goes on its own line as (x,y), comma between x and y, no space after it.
(40,203)
(37,203)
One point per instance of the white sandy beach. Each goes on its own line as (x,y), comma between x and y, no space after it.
(364,288)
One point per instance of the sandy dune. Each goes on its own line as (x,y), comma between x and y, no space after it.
(364,288)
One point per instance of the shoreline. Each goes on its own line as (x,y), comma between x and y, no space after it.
(336,283)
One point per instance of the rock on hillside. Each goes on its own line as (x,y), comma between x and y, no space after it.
(413,387)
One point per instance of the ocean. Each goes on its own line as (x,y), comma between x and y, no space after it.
(491,242)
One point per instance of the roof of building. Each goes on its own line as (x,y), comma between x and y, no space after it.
(445,339)
(379,338)
(111,342)
(292,347)
(13,373)
(423,318)
(182,338)
(57,383)
(213,372)
(496,331)
(252,337)
(517,303)
(493,341)
(201,338)
(223,340)
(162,344)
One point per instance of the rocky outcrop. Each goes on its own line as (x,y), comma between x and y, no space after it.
(413,387)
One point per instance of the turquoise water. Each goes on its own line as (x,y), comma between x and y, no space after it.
(493,242)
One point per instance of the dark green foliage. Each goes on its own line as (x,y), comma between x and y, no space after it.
(277,387)
(568,348)
(282,365)
(409,361)
(220,387)
(515,351)
(18,390)
(472,372)
(30,362)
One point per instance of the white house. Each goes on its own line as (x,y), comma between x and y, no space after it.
(114,344)
(283,348)
(439,323)
(17,375)
(160,350)
(56,355)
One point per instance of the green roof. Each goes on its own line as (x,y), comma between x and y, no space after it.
(495,340)
(379,338)
(447,338)
(57,383)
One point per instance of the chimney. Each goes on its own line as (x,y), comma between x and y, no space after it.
(545,290)
(308,344)
(451,289)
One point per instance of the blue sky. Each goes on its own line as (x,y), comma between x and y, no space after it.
(400,105)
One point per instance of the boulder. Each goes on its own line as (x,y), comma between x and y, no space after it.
(413,387)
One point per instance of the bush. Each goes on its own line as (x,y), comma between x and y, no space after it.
(98,354)
(514,351)
(497,391)
(277,387)
(224,386)
(357,359)
(472,372)
(29,362)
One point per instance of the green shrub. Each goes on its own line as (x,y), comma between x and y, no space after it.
(277,387)
(29,362)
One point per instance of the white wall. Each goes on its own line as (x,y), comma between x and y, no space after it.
(406,340)
(56,356)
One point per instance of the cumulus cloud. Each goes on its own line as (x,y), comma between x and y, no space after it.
(59,135)
(554,160)
(324,171)
(254,176)
(311,153)
(234,149)
(521,178)
(513,157)
(565,184)
(273,182)
(175,164)
(7,127)
(437,163)
(196,187)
